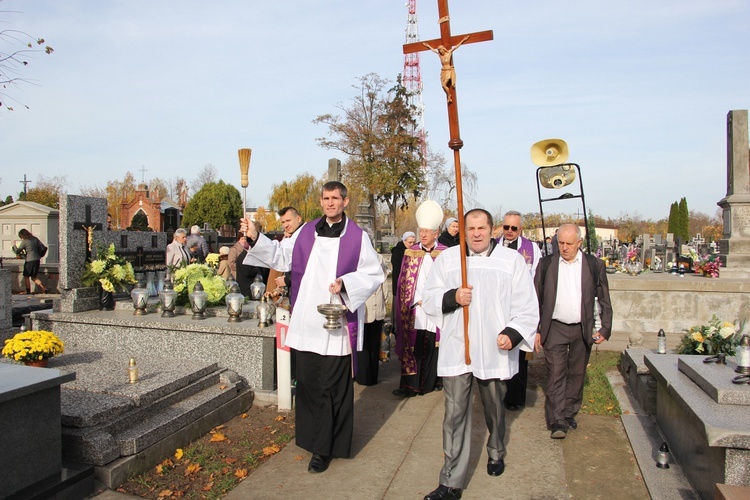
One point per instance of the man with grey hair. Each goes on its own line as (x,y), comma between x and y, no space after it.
(515,397)
(177,252)
(566,286)
(198,242)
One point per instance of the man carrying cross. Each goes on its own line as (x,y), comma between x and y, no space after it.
(504,314)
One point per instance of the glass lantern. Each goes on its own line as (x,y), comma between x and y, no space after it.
(258,288)
(234,300)
(263,312)
(168,299)
(140,299)
(198,301)
(743,355)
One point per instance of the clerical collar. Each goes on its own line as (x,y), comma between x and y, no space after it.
(510,244)
(428,250)
(487,251)
(328,230)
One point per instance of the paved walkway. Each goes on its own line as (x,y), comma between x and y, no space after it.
(397,453)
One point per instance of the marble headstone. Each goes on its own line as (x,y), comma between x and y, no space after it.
(6,306)
(735,245)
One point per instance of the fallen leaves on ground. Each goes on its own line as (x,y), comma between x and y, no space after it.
(271,450)
(192,469)
(218,437)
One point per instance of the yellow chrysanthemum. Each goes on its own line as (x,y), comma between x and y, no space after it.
(98,266)
(107,285)
(33,345)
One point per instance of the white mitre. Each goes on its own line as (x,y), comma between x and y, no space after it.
(429,215)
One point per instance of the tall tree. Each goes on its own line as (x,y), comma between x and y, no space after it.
(117,193)
(13,62)
(591,232)
(206,175)
(303,193)
(377,134)
(47,191)
(216,203)
(672,224)
(684,220)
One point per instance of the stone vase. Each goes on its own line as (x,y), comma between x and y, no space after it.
(106,300)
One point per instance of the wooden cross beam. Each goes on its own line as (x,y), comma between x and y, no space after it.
(444,48)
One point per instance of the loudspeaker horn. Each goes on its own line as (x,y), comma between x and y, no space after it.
(549,152)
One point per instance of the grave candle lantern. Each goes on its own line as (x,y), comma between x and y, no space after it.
(140,299)
(743,355)
(263,313)
(234,300)
(168,298)
(198,301)
(662,456)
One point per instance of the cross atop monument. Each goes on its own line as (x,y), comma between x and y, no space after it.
(24,182)
(444,48)
(143,173)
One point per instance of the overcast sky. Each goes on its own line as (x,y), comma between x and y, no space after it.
(639,89)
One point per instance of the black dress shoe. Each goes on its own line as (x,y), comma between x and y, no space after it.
(511,407)
(444,493)
(559,431)
(318,463)
(404,392)
(495,467)
(571,421)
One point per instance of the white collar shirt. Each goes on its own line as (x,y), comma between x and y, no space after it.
(568,298)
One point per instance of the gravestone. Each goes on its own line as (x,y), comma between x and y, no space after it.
(334,169)
(735,245)
(83,222)
(30,419)
(6,306)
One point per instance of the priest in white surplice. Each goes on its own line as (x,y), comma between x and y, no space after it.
(327,257)
(503,315)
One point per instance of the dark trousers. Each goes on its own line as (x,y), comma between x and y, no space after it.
(426,356)
(325,404)
(516,394)
(368,359)
(567,355)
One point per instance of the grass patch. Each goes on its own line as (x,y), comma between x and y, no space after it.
(598,396)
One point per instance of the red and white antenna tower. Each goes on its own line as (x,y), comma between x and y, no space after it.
(412,79)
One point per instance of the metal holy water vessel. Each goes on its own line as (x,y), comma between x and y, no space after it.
(332,312)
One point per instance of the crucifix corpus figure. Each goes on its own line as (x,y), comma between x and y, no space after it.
(447,72)
(89,235)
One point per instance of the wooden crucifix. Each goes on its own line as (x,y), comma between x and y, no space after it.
(89,227)
(444,48)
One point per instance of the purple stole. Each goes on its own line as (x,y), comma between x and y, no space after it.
(525,248)
(406,334)
(350,246)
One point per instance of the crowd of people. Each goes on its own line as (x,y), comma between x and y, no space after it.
(520,298)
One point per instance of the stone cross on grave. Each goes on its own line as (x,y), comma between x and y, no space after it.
(444,48)
(89,227)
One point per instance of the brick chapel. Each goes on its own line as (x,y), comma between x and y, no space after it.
(162,214)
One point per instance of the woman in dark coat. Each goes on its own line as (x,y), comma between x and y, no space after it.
(31,247)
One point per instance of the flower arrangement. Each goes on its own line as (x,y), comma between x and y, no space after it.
(212,260)
(185,278)
(109,270)
(33,345)
(708,265)
(714,338)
